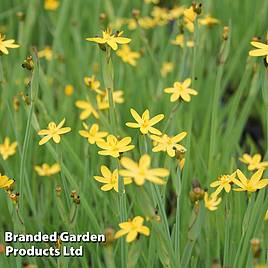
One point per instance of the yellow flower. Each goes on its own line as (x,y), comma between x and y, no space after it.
(262,50)
(127,55)
(141,171)
(7,149)
(208,21)
(46,53)
(223,182)
(110,179)
(114,147)
(144,123)
(132,228)
(189,14)
(93,83)
(5,44)
(179,41)
(117,24)
(147,22)
(253,162)
(103,102)
(167,67)
(212,201)
(175,12)
(5,182)
(93,134)
(46,170)
(53,131)
(255,183)
(51,4)
(110,39)
(160,15)
(132,24)
(181,90)
(69,90)
(88,109)
(189,18)
(168,144)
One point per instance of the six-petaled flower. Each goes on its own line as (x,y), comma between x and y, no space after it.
(53,131)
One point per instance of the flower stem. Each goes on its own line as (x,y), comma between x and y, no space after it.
(123,214)
(171,115)
(108,77)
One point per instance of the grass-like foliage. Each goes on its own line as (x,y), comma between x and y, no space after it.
(144,120)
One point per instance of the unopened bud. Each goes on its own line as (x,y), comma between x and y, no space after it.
(136,13)
(20,15)
(225,33)
(14,197)
(58,191)
(109,235)
(28,63)
(77,200)
(103,16)
(73,193)
(197,8)
(255,245)
(16,103)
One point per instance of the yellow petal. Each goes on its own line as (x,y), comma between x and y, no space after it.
(98,40)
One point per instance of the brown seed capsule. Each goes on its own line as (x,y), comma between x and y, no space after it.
(73,193)
(20,15)
(180,153)
(58,191)
(197,8)
(2,248)
(255,245)
(16,103)
(77,200)
(28,63)
(109,236)
(196,183)
(103,16)
(14,197)
(136,13)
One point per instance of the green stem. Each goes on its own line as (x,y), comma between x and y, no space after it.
(34,94)
(171,115)
(108,77)
(177,222)
(123,215)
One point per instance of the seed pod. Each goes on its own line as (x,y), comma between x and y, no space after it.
(197,8)
(225,33)
(28,63)
(109,236)
(255,246)
(58,191)
(20,15)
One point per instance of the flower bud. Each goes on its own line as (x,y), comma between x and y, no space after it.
(103,16)
(135,13)
(20,15)
(28,63)
(109,235)
(197,8)
(58,191)
(255,246)
(225,33)
(16,103)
